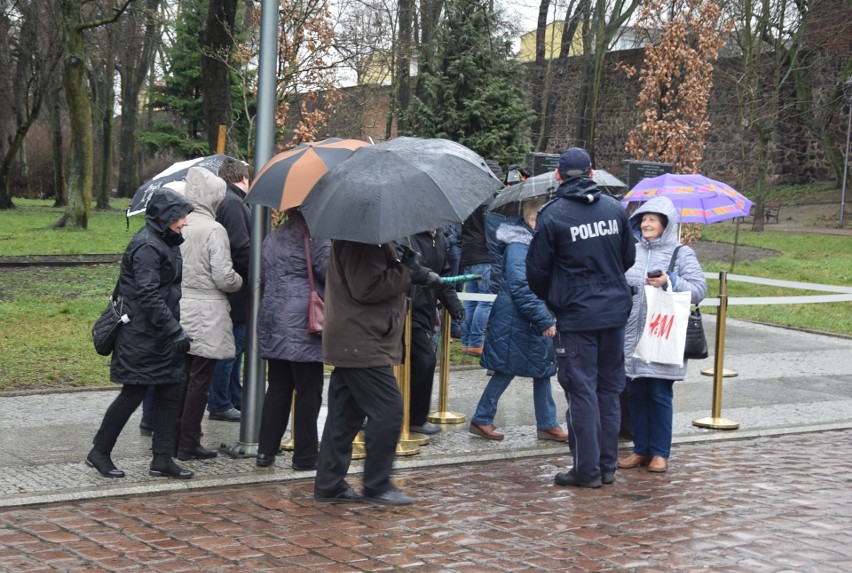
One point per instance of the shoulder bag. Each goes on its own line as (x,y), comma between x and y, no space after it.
(105,329)
(316,306)
(696,341)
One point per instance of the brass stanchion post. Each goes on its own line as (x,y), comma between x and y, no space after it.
(290,444)
(716,422)
(443,416)
(407,446)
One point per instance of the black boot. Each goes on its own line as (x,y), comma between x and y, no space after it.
(102,462)
(146,429)
(164,466)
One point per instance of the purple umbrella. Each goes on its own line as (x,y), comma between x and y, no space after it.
(699,198)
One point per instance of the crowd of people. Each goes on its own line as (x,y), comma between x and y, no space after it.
(568,273)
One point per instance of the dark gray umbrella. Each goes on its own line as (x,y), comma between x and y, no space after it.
(509,201)
(398,188)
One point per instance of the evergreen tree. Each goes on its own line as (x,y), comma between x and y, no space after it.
(469,89)
(181,93)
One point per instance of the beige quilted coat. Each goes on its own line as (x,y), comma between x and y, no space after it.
(208,273)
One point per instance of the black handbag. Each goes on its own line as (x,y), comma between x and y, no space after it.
(105,329)
(696,342)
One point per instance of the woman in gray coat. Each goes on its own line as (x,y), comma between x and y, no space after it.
(208,275)
(294,355)
(649,384)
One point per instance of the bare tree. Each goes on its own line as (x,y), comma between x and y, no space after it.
(29,51)
(217,44)
(77,18)
(140,33)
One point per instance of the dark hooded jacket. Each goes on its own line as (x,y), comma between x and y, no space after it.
(434,256)
(149,284)
(235,216)
(578,256)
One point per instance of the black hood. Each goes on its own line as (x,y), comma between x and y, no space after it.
(164,208)
(581,189)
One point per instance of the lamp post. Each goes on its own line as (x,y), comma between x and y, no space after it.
(847,91)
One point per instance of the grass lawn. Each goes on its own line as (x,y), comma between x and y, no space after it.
(46,313)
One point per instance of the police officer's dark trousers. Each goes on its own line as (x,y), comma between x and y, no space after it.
(591,371)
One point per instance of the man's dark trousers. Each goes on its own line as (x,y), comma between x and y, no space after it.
(422,375)
(591,371)
(353,394)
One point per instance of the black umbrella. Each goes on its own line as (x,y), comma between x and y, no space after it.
(176,172)
(398,188)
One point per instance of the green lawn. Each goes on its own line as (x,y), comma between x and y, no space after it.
(46,313)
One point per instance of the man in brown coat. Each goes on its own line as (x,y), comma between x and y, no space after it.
(362,338)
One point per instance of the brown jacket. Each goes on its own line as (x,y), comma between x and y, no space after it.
(364,305)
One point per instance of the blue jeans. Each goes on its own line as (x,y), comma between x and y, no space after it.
(651,413)
(545,408)
(226,391)
(476,312)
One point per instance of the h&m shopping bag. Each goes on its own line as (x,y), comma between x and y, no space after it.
(663,337)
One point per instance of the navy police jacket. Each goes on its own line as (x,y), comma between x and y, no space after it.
(578,256)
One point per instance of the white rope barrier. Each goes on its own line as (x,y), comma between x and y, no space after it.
(839,293)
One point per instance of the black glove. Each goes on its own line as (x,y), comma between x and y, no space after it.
(420,275)
(459,315)
(181,342)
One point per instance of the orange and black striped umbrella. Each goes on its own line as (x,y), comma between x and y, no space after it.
(286,179)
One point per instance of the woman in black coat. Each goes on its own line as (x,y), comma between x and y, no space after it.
(150,349)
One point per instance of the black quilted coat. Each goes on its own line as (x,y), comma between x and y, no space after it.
(149,282)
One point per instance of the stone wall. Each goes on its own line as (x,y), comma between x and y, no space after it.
(797,153)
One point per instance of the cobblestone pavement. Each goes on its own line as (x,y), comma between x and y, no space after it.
(767,504)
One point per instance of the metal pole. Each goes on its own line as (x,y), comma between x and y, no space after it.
(255,378)
(716,422)
(442,416)
(847,91)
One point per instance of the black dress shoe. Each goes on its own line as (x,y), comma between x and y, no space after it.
(389,497)
(103,464)
(347,495)
(264,460)
(169,470)
(146,429)
(570,478)
(304,468)
(426,428)
(199,453)
(607,477)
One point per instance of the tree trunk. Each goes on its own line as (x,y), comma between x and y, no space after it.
(60,191)
(216,45)
(80,161)
(403,68)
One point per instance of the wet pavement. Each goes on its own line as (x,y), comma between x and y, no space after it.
(773,495)
(769,504)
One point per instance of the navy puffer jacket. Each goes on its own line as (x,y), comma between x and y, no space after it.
(513,341)
(149,284)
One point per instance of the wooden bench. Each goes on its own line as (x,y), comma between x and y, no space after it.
(771,210)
